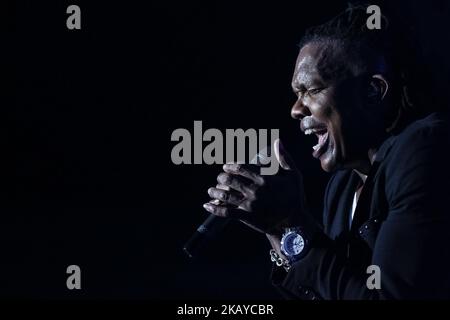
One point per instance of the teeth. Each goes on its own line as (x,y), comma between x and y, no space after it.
(309,132)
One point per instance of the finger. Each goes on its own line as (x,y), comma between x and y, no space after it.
(228,197)
(216,202)
(237,183)
(223,211)
(220,186)
(284,158)
(250,172)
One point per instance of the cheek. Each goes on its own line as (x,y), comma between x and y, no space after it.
(338,138)
(322,108)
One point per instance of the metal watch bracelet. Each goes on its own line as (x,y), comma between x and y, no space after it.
(279,261)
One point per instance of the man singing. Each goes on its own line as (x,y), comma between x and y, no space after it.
(385,206)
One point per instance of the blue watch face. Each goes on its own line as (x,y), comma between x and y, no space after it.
(293,244)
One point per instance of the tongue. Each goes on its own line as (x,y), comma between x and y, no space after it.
(322,140)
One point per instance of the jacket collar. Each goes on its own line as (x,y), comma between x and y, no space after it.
(384,149)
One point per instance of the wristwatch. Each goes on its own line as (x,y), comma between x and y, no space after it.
(294,244)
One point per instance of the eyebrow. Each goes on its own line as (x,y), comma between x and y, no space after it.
(296,86)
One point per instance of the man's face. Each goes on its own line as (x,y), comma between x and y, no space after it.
(332,110)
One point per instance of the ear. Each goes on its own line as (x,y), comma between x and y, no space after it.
(378,88)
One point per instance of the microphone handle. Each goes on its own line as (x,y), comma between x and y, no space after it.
(206,231)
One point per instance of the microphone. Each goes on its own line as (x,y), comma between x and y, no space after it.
(213,225)
(207,231)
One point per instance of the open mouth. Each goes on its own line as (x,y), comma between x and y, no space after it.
(322,141)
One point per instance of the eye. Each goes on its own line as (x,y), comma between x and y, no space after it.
(315,91)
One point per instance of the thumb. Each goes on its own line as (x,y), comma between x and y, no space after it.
(284,158)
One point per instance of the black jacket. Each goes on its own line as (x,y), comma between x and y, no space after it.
(401,224)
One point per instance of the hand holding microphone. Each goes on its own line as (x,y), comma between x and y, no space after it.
(264,203)
(213,225)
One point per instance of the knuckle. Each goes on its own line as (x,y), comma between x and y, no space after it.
(226,178)
(223,196)
(221,178)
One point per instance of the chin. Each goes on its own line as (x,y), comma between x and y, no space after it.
(329,163)
(327,167)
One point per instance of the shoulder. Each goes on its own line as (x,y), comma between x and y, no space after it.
(415,169)
(428,131)
(425,141)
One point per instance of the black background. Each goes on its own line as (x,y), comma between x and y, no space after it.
(93,183)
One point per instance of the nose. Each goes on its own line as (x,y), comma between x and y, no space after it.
(299,110)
